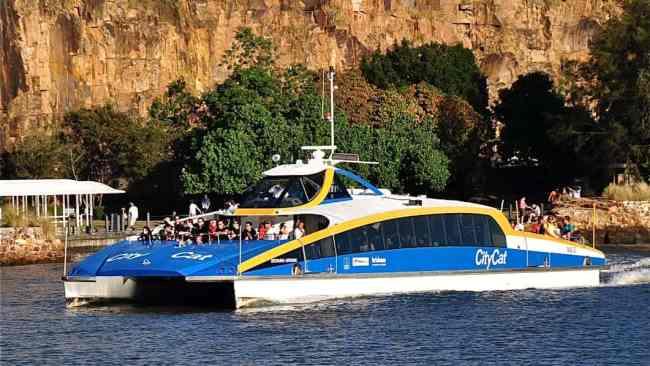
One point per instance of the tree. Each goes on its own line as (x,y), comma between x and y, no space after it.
(249,50)
(540,128)
(452,69)
(113,145)
(38,156)
(529,109)
(616,84)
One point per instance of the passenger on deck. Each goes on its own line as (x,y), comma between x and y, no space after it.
(212,230)
(299,231)
(249,232)
(178,225)
(233,230)
(568,229)
(535,227)
(261,231)
(550,228)
(222,231)
(270,232)
(283,234)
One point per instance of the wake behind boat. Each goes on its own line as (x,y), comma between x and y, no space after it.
(358,240)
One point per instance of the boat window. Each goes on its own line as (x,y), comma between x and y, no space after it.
(290,191)
(343,243)
(312,185)
(482,229)
(437,228)
(452,229)
(422,236)
(321,249)
(467,230)
(406,235)
(389,233)
(337,190)
(375,239)
(498,237)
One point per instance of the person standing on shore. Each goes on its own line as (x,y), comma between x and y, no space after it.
(133,215)
(205,203)
(194,209)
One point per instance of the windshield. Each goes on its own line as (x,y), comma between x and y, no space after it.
(279,192)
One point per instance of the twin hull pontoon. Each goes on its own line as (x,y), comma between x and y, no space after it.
(358,242)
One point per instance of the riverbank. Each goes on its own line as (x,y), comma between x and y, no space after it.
(624,223)
(30,246)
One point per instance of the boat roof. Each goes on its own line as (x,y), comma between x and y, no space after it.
(364,204)
(297,169)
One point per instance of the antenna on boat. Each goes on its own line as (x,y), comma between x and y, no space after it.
(319,151)
(330,76)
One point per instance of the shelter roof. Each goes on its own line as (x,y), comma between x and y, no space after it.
(51,187)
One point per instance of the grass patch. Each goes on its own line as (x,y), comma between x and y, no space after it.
(632,192)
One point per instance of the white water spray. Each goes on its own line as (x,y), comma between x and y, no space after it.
(630,273)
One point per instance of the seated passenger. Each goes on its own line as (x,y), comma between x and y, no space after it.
(283,233)
(551,229)
(535,227)
(249,233)
(568,229)
(299,231)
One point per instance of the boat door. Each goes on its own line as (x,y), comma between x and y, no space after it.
(320,256)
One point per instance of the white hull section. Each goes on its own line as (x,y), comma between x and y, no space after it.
(305,289)
(251,291)
(114,287)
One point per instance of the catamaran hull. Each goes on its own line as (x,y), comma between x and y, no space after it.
(251,291)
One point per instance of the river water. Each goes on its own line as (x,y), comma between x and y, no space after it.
(606,325)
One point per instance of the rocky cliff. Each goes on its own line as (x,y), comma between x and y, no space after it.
(57,55)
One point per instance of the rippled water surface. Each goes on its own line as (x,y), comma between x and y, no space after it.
(598,326)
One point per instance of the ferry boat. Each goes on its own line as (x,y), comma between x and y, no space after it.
(360,241)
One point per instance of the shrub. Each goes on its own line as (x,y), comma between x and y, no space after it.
(631,192)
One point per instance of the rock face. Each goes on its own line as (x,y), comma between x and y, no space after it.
(57,55)
(616,222)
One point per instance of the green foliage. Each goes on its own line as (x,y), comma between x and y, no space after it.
(257,113)
(249,50)
(540,127)
(529,109)
(112,144)
(617,81)
(38,156)
(452,69)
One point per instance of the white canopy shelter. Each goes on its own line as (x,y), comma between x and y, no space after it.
(75,198)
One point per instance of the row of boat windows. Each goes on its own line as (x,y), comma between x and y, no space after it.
(408,232)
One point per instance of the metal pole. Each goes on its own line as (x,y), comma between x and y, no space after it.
(148,219)
(240,244)
(65,252)
(593,232)
(331,78)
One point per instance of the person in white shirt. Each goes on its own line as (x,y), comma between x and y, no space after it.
(133,215)
(284,232)
(271,231)
(205,203)
(299,231)
(194,209)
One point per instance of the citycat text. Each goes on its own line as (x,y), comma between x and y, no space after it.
(487,259)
